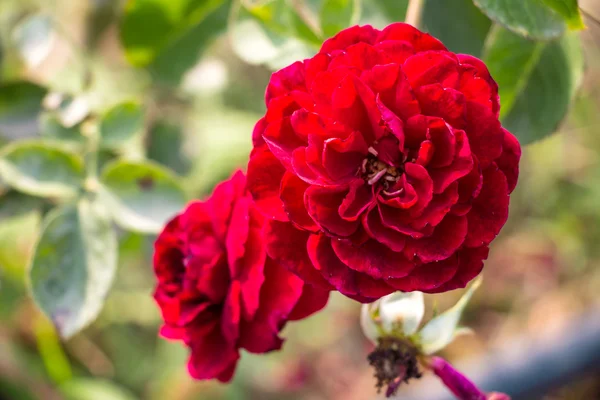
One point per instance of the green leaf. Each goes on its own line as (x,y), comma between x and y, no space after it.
(569,10)
(167,36)
(337,15)
(73,265)
(20,106)
(142,196)
(511,59)
(20,218)
(460,25)
(388,10)
(34,38)
(165,147)
(121,123)
(94,389)
(529,18)
(41,169)
(52,127)
(268,33)
(543,102)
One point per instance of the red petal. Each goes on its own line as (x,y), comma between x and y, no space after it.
(372,258)
(221,202)
(360,55)
(285,80)
(342,157)
(427,277)
(323,204)
(508,162)
(485,133)
(305,123)
(482,72)
(287,246)
(264,178)
(393,123)
(282,140)
(211,355)
(359,197)
(252,276)
(312,300)
(280,293)
(447,237)
(440,205)
(446,103)
(490,209)
(230,319)
(391,238)
(419,40)
(257,132)
(345,280)
(237,234)
(432,67)
(350,36)
(396,50)
(470,264)
(292,195)
(462,164)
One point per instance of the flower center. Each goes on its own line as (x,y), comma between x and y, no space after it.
(374,170)
(395,361)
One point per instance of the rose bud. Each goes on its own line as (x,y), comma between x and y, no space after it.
(381,164)
(392,324)
(217,289)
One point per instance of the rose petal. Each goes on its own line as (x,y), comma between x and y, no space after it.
(490,209)
(508,162)
(292,196)
(287,246)
(348,37)
(389,237)
(405,32)
(470,264)
(285,80)
(211,354)
(359,198)
(447,237)
(323,203)
(312,300)
(265,172)
(427,277)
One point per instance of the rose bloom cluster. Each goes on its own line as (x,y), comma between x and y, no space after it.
(380,165)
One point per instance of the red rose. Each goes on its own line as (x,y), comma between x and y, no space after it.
(217,290)
(381,164)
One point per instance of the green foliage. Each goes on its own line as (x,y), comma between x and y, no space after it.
(154,31)
(458,24)
(120,124)
(536,19)
(41,169)
(569,10)
(337,15)
(20,105)
(74,264)
(537,81)
(141,196)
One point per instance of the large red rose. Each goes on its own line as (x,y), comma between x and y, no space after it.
(381,164)
(217,289)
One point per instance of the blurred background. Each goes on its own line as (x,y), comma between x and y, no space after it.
(183,81)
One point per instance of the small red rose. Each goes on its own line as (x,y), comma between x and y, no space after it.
(217,289)
(381,164)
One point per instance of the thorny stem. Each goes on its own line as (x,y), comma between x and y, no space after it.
(413,12)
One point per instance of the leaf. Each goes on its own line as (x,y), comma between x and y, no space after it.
(141,196)
(20,218)
(167,36)
(271,33)
(94,389)
(337,15)
(121,123)
(390,10)
(544,100)
(460,25)
(166,145)
(569,10)
(73,265)
(41,169)
(511,59)
(441,330)
(51,127)
(34,38)
(20,106)
(529,18)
